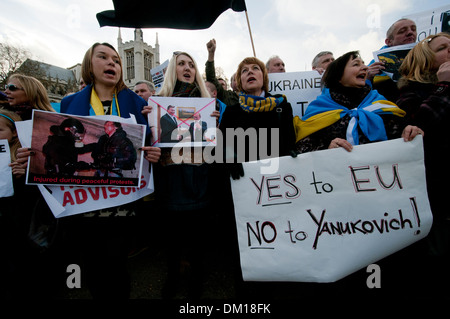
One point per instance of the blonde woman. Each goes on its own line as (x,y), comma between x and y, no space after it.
(425,69)
(185,191)
(425,95)
(26,93)
(183,78)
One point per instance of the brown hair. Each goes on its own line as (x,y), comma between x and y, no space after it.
(87,69)
(252,60)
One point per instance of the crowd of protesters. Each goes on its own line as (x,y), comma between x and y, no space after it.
(189,198)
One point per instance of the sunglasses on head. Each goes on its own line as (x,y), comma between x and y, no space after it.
(12,87)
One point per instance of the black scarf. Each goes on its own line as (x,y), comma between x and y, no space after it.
(350,97)
(184,89)
(24,111)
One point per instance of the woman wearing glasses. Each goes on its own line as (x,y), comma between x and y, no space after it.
(26,93)
(425,96)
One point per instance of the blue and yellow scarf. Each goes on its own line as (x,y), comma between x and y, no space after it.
(97,106)
(253,103)
(324,111)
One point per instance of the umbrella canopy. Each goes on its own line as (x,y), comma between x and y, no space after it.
(173,14)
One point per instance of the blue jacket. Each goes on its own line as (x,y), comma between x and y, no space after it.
(129,103)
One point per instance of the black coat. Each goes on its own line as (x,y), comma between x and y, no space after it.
(168,125)
(280,118)
(115,152)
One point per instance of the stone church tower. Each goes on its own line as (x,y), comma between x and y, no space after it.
(138,58)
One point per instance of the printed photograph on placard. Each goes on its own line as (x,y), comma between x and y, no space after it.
(78,150)
(393,58)
(182,121)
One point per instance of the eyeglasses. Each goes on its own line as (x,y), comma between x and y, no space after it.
(177,52)
(12,87)
(429,39)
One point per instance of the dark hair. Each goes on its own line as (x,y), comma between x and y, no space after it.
(70,123)
(335,70)
(116,124)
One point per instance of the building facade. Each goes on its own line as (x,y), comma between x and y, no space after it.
(58,81)
(138,58)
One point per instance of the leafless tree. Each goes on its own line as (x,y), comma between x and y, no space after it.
(11,58)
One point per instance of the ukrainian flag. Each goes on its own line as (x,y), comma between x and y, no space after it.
(324,111)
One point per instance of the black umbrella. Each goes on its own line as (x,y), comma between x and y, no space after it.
(173,14)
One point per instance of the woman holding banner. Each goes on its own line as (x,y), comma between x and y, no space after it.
(425,96)
(266,117)
(349,112)
(104,241)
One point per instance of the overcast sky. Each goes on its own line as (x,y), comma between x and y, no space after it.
(60,32)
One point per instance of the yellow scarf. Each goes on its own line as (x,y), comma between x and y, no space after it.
(97,106)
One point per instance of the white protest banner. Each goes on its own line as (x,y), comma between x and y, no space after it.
(85,150)
(158,75)
(300,88)
(180,121)
(71,200)
(6,184)
(431,22)
(327,214)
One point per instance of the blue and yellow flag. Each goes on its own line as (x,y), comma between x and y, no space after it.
(324,111)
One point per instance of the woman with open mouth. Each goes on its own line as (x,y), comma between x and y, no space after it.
(103,241)
(349,112)
(258,110)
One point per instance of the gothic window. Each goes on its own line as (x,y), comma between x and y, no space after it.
(129,55)
(147,65)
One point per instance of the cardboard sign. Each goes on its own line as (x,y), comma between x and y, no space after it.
(300,88)
(180,121)
(6,183)
(326,214)
(393,58)
(85,150)
(158,75)
(431,21)
(71,200)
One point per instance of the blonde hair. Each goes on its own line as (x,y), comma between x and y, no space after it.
(35,92)
(87,71)
(14,144)
(418,64)
(170,78)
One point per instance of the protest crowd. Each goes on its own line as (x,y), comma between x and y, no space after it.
(189,218)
